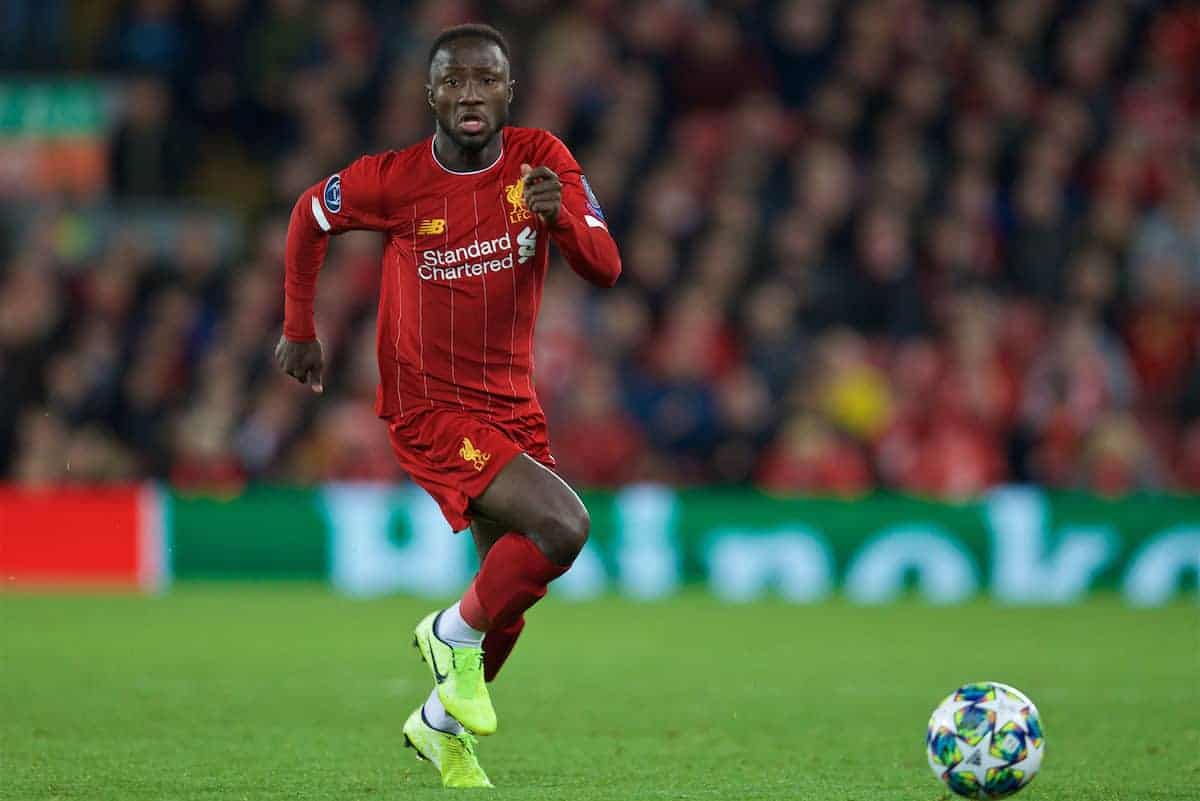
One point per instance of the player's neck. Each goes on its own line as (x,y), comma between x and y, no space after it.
(458,159)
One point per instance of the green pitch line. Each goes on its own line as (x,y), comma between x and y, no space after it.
(230,692)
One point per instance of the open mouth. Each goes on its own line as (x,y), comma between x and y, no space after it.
(472,123)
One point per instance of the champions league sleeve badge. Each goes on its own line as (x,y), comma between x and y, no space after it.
(592,204)
(333,194)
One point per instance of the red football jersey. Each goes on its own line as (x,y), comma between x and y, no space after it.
(463,269)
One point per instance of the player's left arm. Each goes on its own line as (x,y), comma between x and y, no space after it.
(557,192)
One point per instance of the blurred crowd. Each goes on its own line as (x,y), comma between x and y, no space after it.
(929,246)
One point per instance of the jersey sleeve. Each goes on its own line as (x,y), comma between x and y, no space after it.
(353,199)
(580,230)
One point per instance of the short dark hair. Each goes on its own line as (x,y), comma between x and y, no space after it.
(469,31)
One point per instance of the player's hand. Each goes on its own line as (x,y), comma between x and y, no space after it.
(543,192)
(303,361)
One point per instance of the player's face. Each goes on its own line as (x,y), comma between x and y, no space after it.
(469,90)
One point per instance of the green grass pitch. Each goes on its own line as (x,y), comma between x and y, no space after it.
(231,692)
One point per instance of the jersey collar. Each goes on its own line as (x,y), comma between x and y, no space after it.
(499,156)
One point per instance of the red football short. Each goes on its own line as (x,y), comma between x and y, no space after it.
(454,455)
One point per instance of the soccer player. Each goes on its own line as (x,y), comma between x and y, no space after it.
(468,216)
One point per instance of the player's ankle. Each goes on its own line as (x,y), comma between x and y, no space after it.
(452,629)
(436,716)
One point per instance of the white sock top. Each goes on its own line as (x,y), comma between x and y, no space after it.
(453,630)
(437,716)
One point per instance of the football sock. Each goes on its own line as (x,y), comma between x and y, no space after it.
(455,631)
(497,645)
(512,578)
(436,715)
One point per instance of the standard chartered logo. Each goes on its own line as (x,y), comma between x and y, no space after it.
(477,258)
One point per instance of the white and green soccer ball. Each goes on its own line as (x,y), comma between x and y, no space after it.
(985,740)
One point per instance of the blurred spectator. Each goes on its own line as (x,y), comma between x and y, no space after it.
(149,151)
(802,45)
(32,32)
(771,332)
(1170,234)
(810,457)
(700,77)
(1040,240)
(42,447)
(850,391)
(215,85)
(1117,458)
(1071,387)
(281,42)
(885,293)
(150,36)
(1161,329)
(596,440)
(746,412)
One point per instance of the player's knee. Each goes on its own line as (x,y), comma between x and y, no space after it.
(567,532)
(580,526)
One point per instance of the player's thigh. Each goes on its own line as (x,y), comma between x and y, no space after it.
(528,497)
(485,532)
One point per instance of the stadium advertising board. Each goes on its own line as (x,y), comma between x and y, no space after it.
(94,537)
(54,137)
(1019,545)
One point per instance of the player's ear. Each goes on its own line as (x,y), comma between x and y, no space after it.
(429,96)
(511,84)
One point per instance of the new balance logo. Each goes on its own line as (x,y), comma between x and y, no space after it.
(429,227)
(470,453)
(526,244)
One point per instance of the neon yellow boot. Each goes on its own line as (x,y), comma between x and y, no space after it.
(452,754)
(458,674)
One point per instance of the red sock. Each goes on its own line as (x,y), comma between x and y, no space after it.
(497,645)
(512,578)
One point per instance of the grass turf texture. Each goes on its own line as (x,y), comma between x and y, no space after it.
(288,692)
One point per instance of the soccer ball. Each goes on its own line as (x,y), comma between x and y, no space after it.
(985,740)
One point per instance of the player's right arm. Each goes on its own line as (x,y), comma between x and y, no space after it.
(352,199)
